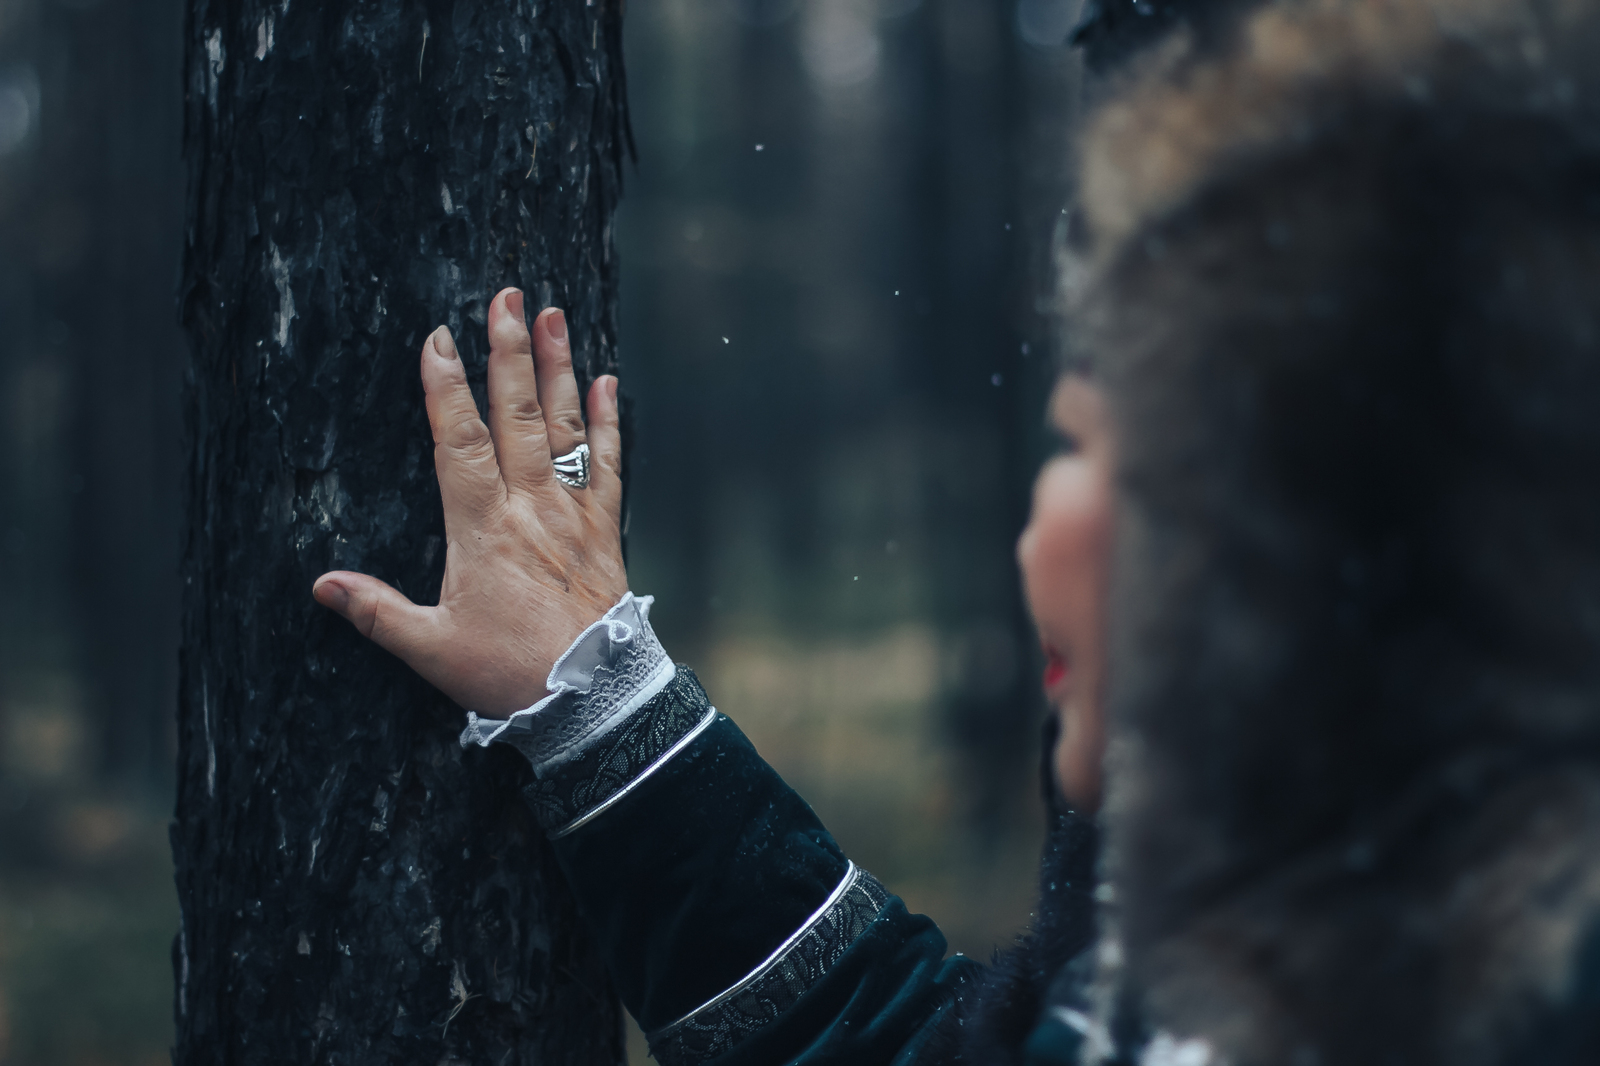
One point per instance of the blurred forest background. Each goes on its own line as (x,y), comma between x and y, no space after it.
(836,250)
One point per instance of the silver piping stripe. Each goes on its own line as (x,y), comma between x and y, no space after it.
(852,874)
(590,815)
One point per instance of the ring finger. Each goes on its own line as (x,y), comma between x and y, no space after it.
(558,388)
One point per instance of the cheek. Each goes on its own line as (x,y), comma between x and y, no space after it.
(1065,539)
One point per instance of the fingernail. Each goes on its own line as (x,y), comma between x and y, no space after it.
(332,595)
(514,302)
(611,389)
(555,324)
(444,344)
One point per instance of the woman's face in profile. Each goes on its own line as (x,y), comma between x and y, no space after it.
(1065,554)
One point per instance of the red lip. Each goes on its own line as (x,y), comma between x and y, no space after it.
(1055,669)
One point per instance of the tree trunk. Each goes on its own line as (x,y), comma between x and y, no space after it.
(356,888)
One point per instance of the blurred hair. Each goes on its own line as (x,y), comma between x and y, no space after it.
(1342,284)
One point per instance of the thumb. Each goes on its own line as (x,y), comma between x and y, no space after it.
(378,611)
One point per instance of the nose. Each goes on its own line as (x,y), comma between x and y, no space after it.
(1025,546)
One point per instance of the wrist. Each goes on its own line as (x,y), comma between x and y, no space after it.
(604,677)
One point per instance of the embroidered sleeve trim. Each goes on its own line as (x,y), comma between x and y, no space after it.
(601,775)
(604,805)
(773,987)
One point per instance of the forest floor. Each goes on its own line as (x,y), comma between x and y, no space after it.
(87,909)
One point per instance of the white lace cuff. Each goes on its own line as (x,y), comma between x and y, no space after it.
(612,670)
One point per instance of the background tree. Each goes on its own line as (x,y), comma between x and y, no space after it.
(354,887)
(853,255)
(90,212)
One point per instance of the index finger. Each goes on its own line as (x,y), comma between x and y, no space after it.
(463,453)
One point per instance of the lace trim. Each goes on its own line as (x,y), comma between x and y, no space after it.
(613,669)
(778,983)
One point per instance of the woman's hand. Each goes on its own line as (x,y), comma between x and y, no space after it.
(530,562)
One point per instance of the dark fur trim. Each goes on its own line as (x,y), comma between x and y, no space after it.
(1014,993)
(992,1023)
(1346,298)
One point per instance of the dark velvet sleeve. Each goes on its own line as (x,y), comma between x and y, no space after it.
(735,928)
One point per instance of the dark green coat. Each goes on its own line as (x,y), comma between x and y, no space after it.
(736,929)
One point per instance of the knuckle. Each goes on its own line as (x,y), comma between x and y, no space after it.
(511,336)
(526,412)
(468,456)
(365,617)
(442,383)
(387,629)
(570,422)
(469,434)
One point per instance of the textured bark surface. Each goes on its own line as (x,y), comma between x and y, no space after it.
(355,888)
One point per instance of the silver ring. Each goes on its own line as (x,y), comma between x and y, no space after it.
(573,468)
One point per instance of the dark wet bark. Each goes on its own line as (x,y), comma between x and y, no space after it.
(355,888)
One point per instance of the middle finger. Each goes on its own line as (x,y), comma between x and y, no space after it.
(515,416)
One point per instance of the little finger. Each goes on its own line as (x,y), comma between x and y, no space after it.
(605,442)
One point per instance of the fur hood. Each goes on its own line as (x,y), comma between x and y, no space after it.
(1343,288)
